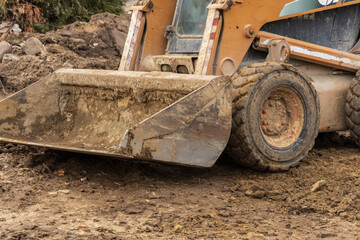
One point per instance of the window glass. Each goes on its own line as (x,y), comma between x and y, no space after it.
(193,17)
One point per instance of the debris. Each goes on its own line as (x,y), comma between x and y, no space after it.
(259,194)
(59,172)
(249,193)
(318,185)
(224,213)
(65,191)
(7,28)
(253,235)
(118,38)
(5,47)
(65,52)
(343,214)
(55,49)
(178,228)
(10,57)
(133,210)
(67,64)
(119,184)
(33,46)
(46,169)
(154,196)
(255,194)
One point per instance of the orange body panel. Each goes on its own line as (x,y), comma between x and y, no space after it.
(160,16)
(240,23)
(235,42)
(314,53)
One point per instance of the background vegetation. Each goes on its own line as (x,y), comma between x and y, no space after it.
(44,15)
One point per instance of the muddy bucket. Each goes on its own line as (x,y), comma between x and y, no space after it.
(181,119)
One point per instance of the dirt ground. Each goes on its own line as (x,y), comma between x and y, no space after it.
(57,195)
(47,194)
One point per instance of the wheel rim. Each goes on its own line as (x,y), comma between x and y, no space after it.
(282,117)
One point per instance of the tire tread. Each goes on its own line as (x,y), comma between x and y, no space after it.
(244,80)
(353,109)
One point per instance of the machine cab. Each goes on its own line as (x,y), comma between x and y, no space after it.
(185,33)
(168,36)
(184,37)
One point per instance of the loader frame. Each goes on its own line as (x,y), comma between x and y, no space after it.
(181,108)
(231,24)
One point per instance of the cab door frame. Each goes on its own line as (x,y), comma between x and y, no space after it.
(181,44)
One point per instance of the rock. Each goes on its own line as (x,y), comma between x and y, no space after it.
(147,229)
(224,213)
(9,28)
(30,226)
(178,228)
(10,57)
(64,191)
(259,194)
(51,39)
(318,185)
(5,47)
(249,193)
(133,210)
(118,38)
(78,44)
(66,33)
(55,48)
(33,46)
(253,235)
(67,64)
(274,193)
(153,195)
(256,194)
(343,214)
(328,235)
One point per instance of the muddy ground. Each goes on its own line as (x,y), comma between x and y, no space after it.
(56,195)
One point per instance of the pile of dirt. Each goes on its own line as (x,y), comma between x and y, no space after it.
(96,44)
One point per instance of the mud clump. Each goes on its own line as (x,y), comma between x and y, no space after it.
(96,44)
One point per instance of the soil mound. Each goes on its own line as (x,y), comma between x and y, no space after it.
(96,44)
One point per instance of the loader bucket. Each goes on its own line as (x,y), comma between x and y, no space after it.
(180,119)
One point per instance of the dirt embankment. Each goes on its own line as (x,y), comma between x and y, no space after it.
(95,45)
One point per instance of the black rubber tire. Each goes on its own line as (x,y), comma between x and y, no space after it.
(352,109)
(247,146)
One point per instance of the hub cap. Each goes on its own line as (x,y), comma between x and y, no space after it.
(282,117)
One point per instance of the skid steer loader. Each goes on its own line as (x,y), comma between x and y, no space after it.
(258,78)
